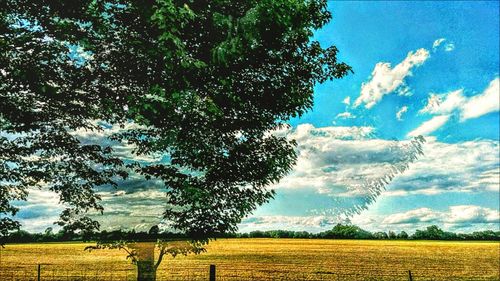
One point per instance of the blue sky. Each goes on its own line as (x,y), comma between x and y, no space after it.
(454,56)
(420,68)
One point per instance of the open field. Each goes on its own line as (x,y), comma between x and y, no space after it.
(268,259)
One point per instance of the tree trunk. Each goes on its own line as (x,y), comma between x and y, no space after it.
(146,270)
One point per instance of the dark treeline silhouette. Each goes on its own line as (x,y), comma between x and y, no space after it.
(338,232)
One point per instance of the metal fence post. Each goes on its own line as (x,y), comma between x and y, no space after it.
(212,272)
(410,278)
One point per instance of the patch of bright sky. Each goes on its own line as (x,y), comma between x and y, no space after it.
(369,32)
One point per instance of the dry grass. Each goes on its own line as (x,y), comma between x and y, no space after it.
(269,259)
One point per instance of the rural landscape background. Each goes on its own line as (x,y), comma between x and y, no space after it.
(268,259)
(249,140)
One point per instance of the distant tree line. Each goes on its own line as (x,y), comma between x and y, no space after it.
(354,232)
(339,231)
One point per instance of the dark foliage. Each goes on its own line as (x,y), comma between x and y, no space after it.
(203,81)
(338,232)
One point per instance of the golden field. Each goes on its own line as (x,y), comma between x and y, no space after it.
(267,259)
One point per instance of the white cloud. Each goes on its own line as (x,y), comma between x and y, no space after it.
(347,100)
(469,107)
(454,102)
(448,47)
(311,223)
(412,216)
(471,214)
(438,42)
(342,164)
(40,211)
(463,214)
(345,115)
(444,103)
(461,218)
(401,111)
(430,126)
(459,167)
(486,102)
(385,80)
(121,149)
(335,161)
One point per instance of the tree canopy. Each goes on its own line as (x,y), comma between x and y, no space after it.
(204,83)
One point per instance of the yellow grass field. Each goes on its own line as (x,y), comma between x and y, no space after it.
(267,259)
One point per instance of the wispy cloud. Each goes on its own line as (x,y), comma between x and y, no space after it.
(443,106)
(430,126)
(438,42)
(347,100)
(448,46)
(401,111)
(385,79)
(444,103)
(467,107)
(345,115)
(484,103)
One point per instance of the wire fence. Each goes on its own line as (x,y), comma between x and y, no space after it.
(198,273)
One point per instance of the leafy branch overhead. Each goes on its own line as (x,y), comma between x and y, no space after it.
(204,82)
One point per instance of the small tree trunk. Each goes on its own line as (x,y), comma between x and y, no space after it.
(146,270)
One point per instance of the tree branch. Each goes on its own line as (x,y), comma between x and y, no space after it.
(160,257)
(130,254)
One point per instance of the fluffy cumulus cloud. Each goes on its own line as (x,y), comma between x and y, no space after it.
(385,79)
(332,159)
(137,204)
(342,164)
(443,106)
(460,167)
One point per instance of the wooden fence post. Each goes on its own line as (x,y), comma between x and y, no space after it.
(38,273)
(212,272)
(410,278)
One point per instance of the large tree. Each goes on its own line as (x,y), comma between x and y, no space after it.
(204,82)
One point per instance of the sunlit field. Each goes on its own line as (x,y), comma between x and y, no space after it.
(267,259)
